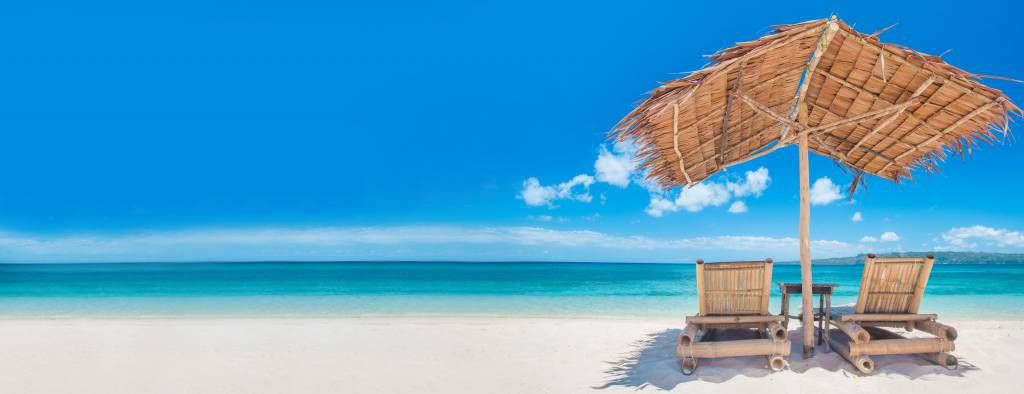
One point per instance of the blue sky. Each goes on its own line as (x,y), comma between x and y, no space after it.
(388,130)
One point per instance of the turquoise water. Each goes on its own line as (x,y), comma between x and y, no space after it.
(423,288)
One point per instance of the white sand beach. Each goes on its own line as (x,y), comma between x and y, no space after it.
(448,355)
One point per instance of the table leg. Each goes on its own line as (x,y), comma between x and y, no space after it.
(785,309)
(828,322)
(821,319)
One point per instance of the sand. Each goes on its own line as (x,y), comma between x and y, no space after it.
(448,355)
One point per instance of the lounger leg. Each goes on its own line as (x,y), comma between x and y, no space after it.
(841,344)
(688,365)
(691,334)
(942,359)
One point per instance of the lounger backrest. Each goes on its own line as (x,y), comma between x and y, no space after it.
(893,285)
(734,288)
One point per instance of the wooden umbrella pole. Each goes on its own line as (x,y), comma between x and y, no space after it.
(805,249)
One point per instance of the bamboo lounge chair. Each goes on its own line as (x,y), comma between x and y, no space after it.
(733,295)
(890,294)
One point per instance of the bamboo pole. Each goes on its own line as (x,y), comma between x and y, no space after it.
(865,278)
(819,50)
(687,363)
(856,333)
(875,317)
(732,319)
(840,343)
(776,363)
(854,119)
(785,309)
(728,106)
(764,109)
(766,285)
(689,335)
(937,329)
(675,137)
(805,250)
(881,347)
(738,348)
(777,333)
(922,282)
(701,299)
(943,359)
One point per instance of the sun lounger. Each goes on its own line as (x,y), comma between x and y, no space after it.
(733,296)
(891,290)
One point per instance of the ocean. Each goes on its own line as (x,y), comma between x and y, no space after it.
(245,289)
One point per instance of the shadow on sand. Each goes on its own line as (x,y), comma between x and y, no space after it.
(652,361)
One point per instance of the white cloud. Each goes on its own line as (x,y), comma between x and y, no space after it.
(702,195)
(412,242)
(889,236)
(711,194)
(857,217)
(754,183)
(824,192)
(692,199)
(968,237)
(615,167)
(535,194)
(659,205)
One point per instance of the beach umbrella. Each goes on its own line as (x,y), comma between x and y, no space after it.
(874,108)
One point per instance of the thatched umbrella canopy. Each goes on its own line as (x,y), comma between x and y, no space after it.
(873,107)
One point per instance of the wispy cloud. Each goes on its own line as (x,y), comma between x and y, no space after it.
(406,242)
(577,188)
(857,217)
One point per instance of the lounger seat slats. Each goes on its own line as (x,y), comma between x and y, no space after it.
(734,288)
(893,285)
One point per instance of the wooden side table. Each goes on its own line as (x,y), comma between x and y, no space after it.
(824,314)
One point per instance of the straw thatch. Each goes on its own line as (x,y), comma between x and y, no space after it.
(881,114)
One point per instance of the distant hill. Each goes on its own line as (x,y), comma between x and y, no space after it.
(940,258)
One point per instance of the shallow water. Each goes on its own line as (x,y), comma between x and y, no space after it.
(990,291)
